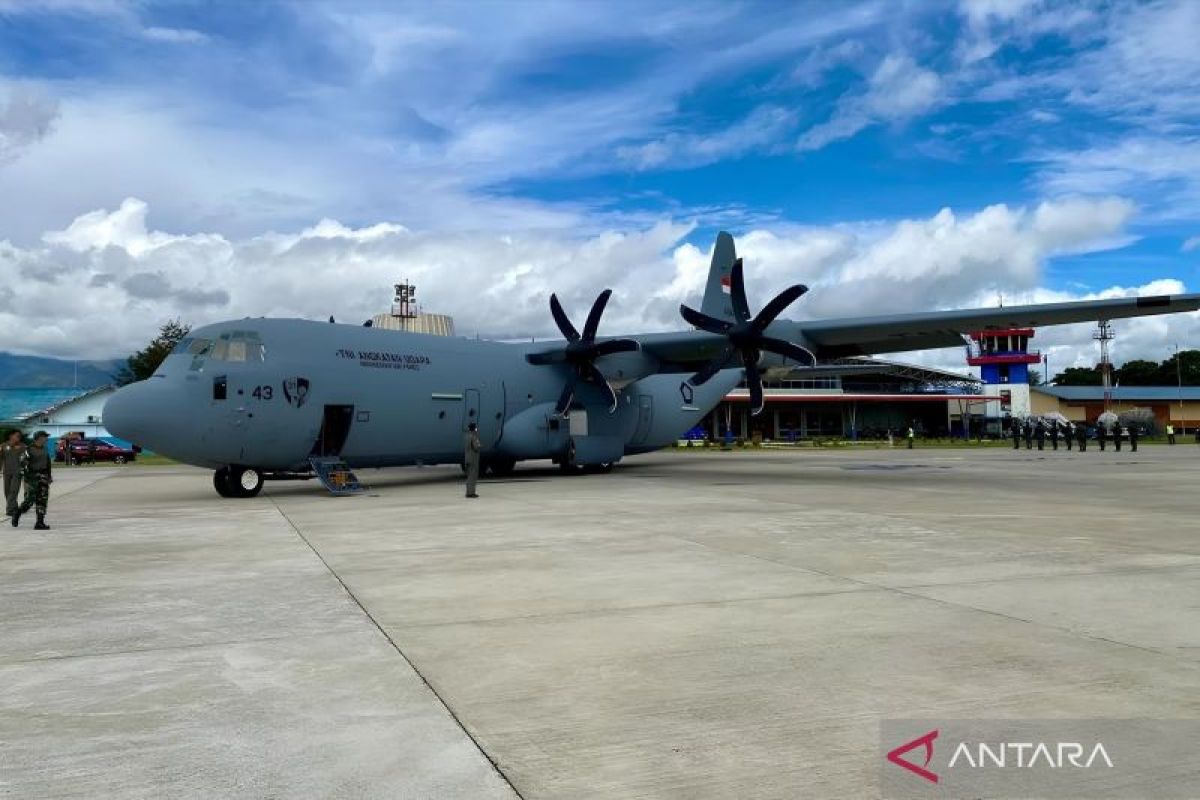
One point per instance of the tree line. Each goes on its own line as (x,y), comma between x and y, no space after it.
(1138,372)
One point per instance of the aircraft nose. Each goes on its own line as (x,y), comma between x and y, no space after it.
(130,413)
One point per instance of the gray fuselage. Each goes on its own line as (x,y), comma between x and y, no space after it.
(270,393)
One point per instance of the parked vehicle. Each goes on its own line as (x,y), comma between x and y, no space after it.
(84,451)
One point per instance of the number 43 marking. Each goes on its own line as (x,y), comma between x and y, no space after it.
(262,393)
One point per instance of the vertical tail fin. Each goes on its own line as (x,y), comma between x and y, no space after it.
(716,292)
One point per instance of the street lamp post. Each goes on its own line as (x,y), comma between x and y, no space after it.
(1179,378)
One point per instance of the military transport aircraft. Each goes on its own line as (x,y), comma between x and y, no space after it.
(263,399)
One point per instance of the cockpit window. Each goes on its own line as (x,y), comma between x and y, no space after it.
(192,346)
(235,346)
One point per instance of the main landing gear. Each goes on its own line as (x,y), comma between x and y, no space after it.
(570,466)
(237,481)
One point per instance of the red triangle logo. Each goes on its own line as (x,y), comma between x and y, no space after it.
(925,741)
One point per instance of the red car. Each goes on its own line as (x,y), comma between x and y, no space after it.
(86,450)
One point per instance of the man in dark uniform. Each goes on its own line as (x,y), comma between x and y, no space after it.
(1117,432)
(1053,434)
(36,466)
(1101,434)
(1040,434)
(1028,434)
(1133,437)
(1081,435)
(1015,430)
(10,464)
(1069,434)
(471,458)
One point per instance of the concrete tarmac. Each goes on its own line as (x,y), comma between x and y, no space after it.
(692,625)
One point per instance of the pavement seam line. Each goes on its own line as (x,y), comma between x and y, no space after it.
(395,646)
(903,591)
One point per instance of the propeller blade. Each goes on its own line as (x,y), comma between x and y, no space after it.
(774,308)
(704,322)
(597,378)
(737,293)
(611,346)
(593,318)
(568,394)
(753,381)
(561,320)
(788,350)
(711,368)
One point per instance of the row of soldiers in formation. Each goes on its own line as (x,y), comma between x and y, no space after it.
(1039,430)
(27,464)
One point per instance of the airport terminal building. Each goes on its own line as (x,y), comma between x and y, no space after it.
(1176,405)
(863,405)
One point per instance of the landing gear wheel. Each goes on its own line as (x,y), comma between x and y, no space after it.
(567,463)
(221,482)
(245,482)
(501,467)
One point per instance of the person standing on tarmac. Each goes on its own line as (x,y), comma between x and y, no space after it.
(911,435)
(1028,434)
(36,463)
(1069,434)
(1081,436)
(1054,434)
(1118,432)
(471,458)
(1101,435)
(1040,434)
(11,453)
(1133,437)
(1015,430)
(1170,433)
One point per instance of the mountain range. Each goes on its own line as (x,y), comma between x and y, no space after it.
(35,372)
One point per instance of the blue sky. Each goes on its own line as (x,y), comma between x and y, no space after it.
(561,125)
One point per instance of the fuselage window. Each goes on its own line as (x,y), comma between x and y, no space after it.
(220,387)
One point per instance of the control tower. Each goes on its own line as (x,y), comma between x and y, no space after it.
(1003,358)
(406,315)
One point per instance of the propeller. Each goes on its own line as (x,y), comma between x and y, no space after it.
(746,335)
(581,352)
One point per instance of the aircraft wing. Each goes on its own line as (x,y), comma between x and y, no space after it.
(852,336)
(687,351)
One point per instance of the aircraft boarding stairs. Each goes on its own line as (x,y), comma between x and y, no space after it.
(336,476)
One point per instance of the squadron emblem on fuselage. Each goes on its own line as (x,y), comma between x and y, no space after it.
(295,391)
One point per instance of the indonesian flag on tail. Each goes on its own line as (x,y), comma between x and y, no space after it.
(726,281)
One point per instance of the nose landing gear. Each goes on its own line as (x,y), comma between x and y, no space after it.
(237,481)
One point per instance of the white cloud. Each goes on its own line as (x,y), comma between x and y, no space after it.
(1190,244)
(123,277)
(759,130)
(174,35)
(897,91)
(1164,170)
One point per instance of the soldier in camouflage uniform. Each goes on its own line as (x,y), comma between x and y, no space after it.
(36,463)
(11,453)
(471,458)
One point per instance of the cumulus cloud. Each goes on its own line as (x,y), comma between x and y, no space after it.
(897,91)
(124,278)
(25,119)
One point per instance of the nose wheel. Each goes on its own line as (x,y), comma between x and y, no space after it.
(237,481)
